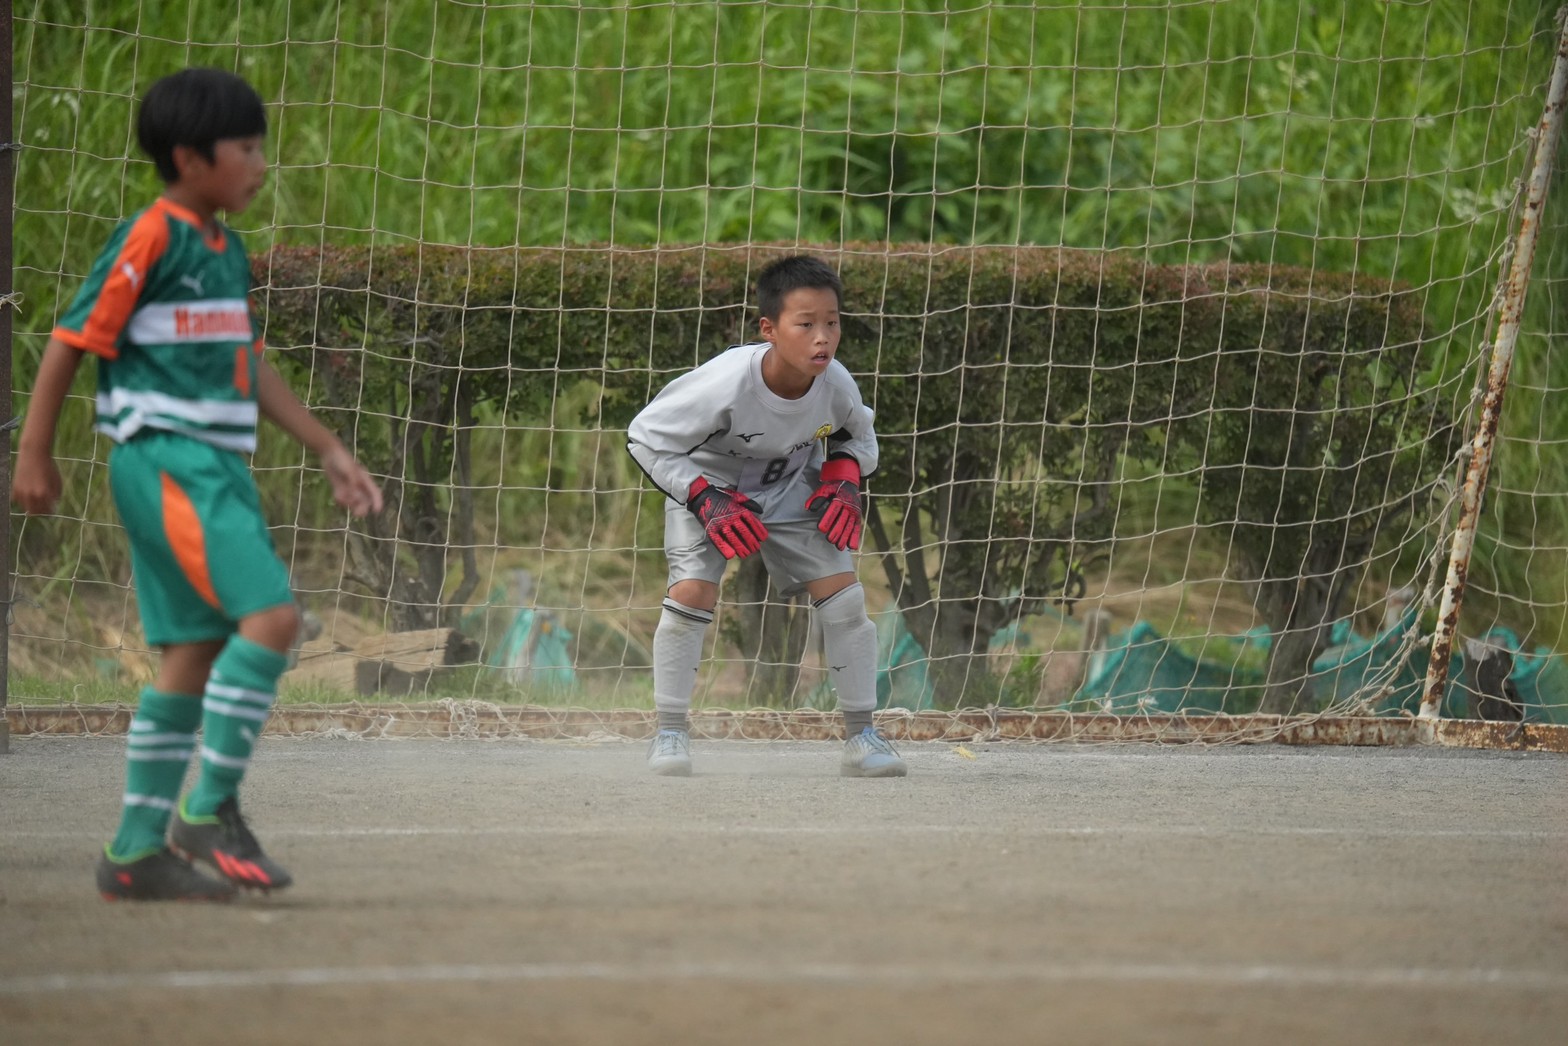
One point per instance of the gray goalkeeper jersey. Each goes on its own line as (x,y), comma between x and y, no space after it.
(721,421)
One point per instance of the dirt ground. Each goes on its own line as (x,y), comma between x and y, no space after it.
(532,892)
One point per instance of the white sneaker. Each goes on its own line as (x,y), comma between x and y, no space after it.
(868,754)
(669,753)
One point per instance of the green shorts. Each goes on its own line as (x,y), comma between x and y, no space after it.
(200,549)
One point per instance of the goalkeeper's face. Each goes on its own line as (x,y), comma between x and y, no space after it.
(805,334)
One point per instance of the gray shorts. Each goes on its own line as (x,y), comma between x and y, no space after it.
(794,553)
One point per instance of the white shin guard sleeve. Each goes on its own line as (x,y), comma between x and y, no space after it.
(849,641)
(677,653)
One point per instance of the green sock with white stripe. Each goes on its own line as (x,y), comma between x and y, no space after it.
(240,693)
(157,751)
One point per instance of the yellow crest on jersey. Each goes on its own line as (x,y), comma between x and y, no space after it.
(824,432)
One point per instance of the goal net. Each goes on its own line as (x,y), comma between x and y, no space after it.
(1175,317)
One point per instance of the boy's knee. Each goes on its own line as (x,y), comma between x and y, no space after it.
(694,593)
(680,617)
(825,588)
(274,628)
(844,608)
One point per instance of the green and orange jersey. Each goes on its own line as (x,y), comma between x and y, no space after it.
(166,309)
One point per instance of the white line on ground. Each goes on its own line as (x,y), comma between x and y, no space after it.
(829,973)
(932,753)
(871,829)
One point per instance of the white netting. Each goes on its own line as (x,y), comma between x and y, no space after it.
(1201,460)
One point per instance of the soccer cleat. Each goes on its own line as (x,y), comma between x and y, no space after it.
(868,754)
(160,876)
(225,842)
(669,753)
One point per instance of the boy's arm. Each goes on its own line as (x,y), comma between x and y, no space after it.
(663,435)
(36,486)
(352,486)
(673,474)
(857,436)
(661,439)
(852,455)
(857,440)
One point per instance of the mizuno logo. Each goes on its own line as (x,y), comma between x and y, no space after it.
(747,437)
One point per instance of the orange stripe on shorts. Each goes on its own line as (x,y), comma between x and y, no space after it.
(183,528)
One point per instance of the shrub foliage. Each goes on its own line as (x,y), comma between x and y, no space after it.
(1011,388)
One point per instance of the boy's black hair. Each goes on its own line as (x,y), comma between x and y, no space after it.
(196,108)
(791,274)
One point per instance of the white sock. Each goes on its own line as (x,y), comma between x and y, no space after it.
(677,653)
(849,640)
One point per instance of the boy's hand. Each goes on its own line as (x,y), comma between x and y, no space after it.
(36,486)
(729,518)
(352,486)
(838,499)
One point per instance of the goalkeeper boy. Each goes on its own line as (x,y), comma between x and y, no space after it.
(762,450)
(181,383)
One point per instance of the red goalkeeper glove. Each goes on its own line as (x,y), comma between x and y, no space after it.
(838,499)
(728,517)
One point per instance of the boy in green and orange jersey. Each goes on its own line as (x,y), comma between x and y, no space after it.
(181,385)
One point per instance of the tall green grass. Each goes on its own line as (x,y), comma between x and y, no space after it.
(1382,138)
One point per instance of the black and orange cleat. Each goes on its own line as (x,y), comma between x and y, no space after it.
(224,841)
(160,876)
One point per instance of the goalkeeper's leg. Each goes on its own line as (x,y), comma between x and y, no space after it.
(677,654)
(849,641)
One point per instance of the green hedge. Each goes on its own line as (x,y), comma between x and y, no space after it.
(1010,387)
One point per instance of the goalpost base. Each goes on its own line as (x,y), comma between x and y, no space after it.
(484,720)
